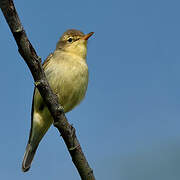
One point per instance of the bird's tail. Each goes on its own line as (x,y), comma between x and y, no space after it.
(28,157)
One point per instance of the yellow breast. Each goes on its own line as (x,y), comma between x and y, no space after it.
(68,77)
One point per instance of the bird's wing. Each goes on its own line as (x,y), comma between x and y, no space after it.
(46,62)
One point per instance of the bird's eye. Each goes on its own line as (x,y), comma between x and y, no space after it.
(70,40)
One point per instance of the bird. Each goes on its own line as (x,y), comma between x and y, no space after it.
(66,70)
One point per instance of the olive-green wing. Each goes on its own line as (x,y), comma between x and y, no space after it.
(46,62)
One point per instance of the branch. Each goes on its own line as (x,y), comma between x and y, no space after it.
(29,55)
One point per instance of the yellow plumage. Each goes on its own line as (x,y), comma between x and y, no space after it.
(67,73)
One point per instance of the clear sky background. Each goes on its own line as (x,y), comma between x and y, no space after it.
(129,123)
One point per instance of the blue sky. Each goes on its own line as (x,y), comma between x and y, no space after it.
(128,124)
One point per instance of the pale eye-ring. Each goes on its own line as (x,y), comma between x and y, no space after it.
(70,39)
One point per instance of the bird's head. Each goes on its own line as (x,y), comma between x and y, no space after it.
(74,42)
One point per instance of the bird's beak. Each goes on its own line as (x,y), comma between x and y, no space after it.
(87,36)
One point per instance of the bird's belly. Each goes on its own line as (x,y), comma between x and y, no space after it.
(70,86)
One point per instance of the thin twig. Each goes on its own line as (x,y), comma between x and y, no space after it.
(29,55)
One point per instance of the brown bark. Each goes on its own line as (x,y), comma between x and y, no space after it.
(34,63)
